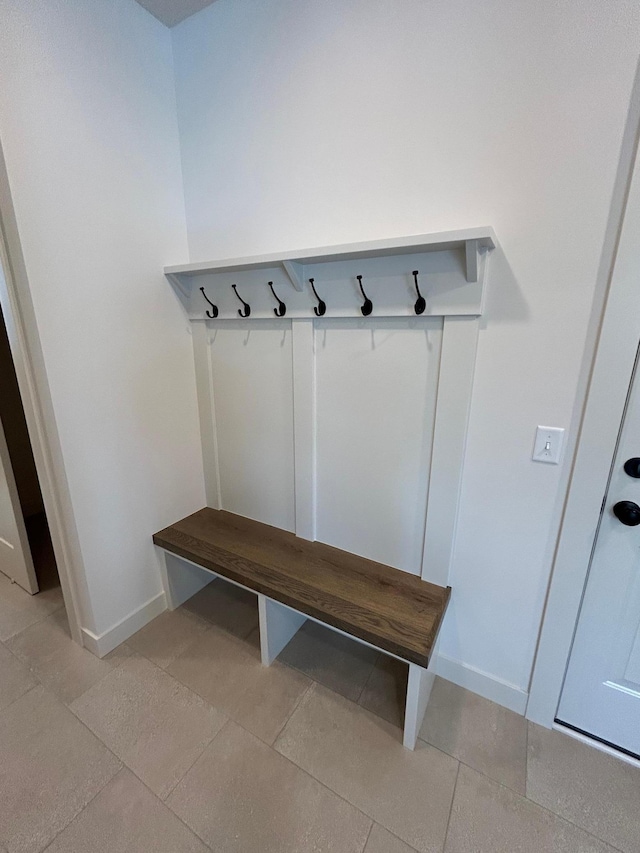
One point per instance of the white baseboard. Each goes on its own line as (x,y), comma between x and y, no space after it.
(102,644)
(501,692)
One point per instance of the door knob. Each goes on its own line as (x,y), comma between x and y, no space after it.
(627,512)
(632,467)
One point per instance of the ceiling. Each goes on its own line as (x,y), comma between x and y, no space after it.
(171,12)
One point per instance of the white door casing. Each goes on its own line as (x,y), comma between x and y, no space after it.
(601,693)
(609,361)
(15,555)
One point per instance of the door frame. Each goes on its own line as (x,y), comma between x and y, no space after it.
(24,340)
(610,354)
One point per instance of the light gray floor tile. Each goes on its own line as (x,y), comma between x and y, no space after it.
(480,733)
(126,817)
(338,662)
(361,758)
(154,724)
(385,692)
(489,818)
(227,672)
(242,797)
(18,609)
(50,767)
(586,786)
(15,678)
(229,607)
(59,663)
(382,841)
(169,634)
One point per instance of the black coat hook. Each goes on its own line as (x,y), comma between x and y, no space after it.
(367,308)
(321,309)
(243,312)
(281,310)
(420,301)
(214,308)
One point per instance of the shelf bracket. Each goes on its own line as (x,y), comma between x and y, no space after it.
(295,272)
(178,285)
(472,258)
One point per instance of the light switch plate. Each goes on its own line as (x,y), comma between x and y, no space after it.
(548,445)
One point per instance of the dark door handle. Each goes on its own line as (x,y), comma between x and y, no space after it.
(632,467)
(627,512)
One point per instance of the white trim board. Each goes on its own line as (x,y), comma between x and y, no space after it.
(102,644)
(495,689)
(613,337)
(24,340)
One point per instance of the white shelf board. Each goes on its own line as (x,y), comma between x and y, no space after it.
(486,239)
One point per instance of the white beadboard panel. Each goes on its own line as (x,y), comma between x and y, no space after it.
(253,400)
(376,384)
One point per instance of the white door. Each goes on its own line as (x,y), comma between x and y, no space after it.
(601,693)
(15,555)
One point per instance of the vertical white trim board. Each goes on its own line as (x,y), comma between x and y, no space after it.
(455,386)
(304,426)
(206,413)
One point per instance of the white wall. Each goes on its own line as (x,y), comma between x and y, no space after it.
(305,124)
(88,128)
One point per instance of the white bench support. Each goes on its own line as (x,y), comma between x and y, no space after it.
(418,692)
(181,579)
(278,625)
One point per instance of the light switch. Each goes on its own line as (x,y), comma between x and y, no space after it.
(548,445)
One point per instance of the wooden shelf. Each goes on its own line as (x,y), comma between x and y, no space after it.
(390,609)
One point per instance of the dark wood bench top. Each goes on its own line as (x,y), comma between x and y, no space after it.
(396,611)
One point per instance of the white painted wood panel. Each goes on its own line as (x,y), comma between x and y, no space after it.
(251,372)
(376,385)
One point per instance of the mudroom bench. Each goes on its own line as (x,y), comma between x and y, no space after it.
(296,579)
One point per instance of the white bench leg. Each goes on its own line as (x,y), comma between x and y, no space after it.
(278,624)
(418,692)
(180,578)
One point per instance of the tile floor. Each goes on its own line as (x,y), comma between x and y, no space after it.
(180,741)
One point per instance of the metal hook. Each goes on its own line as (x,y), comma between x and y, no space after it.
(247,308)
(367,308)
(281,310)
(321,309)
(214,308)
(420,301)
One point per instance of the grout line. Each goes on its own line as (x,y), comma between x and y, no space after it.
(543,808)
(309,774)
(367,679)
(196,759)
(87,804)
(32,625)
(453,796)
(526,763)
(366,841)
(294,709)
